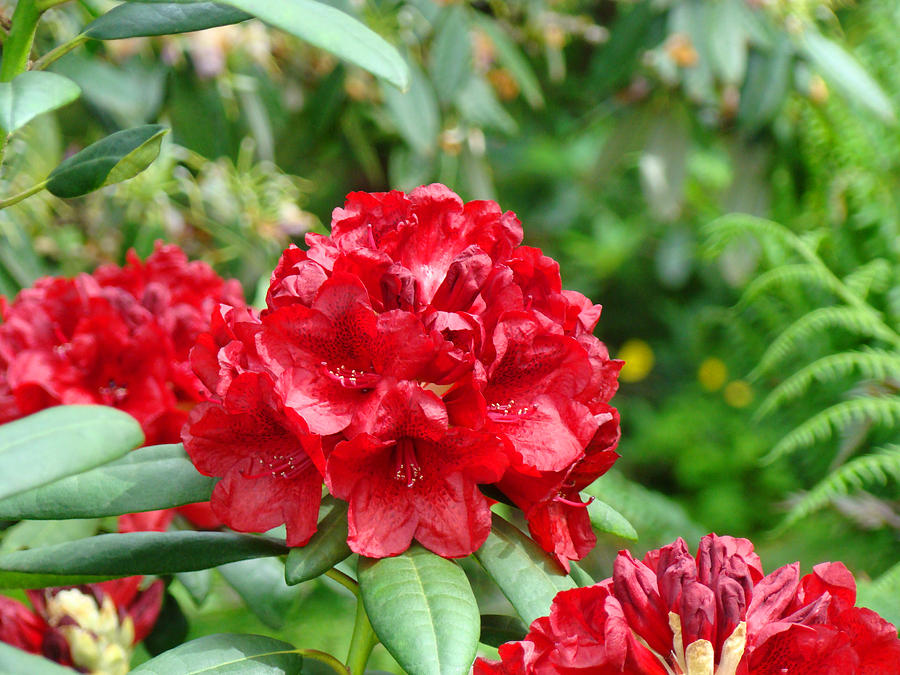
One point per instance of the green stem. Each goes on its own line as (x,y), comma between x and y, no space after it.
(344,580)
(327,659)
(21,36)
(362,643)
(15,199)
(44,5)
(58,52)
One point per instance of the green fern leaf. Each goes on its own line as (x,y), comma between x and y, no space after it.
(857,474)
(784,276)
(882,595)
(851,319)
(884,411)
(874,275)
(722,231)
(870,363)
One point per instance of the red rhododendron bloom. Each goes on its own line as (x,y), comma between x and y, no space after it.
(713,613)
(431,354)
(119,337)
(92,628)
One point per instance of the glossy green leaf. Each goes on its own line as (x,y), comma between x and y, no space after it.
(108,556)
(197,584)
(766,85)
(499,628)
(14,660)
(451,54)
(415,112)
(226,653)
(156,477)
(423,610)
(62,441)
(728,40)
(525,573)
(478,104)
(326,549)
(113,159)
(261,584)
(35,533)
(335,32)
(579,576)
(136,19)
(605,518)
(31,94)
(844,73)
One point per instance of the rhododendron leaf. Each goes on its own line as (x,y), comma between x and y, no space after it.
(423,610)
(261,585)
(499,628)
(335,32)
(326,549)
(31,94)
(526,574)
(605,518)
(113,159)
(227,653)
(138,19)
(108,556)
(580,577)
(33,533)
(62,441)
(148,479)
(13,660)
(197,584)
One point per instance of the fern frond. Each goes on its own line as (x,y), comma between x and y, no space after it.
(874,275)
(851,319)
(722,231)
(874,364)
(884,411)
(882,595)
(786,275)
(857,474)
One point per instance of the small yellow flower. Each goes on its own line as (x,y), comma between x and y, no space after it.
(639,360)
(712,374)
(738,394)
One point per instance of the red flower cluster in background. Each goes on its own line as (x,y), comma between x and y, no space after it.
(92,628)
(675,613)
(416,353)
(119,337)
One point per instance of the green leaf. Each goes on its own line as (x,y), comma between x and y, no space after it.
(415,112)
(62,441)
(728,39)
(511,57)
(499,628)
(580,577)
(845,73)
(605,518)
(526,574)
(262,586)
(227,653)
(136,19)
(197,584)
(335,32)
(34,533)
(423,610)
(156,477)
(478,104)
(326,549)
(113,159)
(451,53)
(170,630)
(109,556)
(14,660)
(31,94)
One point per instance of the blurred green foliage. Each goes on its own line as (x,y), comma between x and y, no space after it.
(616,130)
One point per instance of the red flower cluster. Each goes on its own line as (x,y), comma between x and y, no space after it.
(415,354)
(674,613)
(92,628)
(119,337)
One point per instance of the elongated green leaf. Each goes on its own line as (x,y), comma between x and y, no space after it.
(227,653)
(156,477)
(335,32)
(135,19)
(262,586)
(116,158)
(14,660)
(499,628)
(766,85)
(511,57)
(326,549)
(528,577)
(33,93)
(845,73)
(605,518)
(415,112)
(580,577)
(34,533)
(422,609)
(197,584)
(62,441)
(451,53)
(108,556)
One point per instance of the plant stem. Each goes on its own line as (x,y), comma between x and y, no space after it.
(322,657)
(344,580)
(21,36)
(44,5)
(15,199)
(58,52)
(362,643)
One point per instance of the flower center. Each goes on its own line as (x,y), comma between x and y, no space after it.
(406,467)
(98,641)
(280,466)
(349,378)
(509,411)
(113,393)
(699,656)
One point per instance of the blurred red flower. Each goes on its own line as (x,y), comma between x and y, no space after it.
(92,628)
(431,354)
(716,612)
